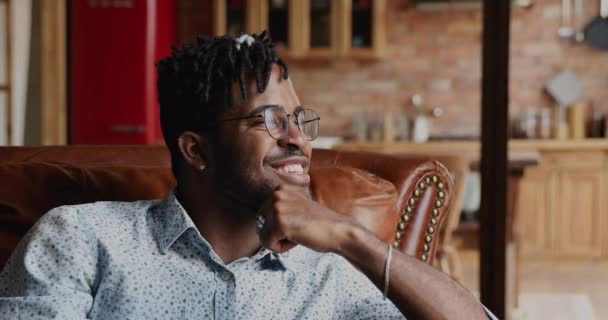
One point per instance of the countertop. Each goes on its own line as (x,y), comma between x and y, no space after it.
(472,147)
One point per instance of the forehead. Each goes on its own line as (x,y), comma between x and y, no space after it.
(278,92)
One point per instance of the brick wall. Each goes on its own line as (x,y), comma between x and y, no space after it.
(437,54)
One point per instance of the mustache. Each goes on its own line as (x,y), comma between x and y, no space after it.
(287,154)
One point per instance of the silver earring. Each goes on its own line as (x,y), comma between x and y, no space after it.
(202,166)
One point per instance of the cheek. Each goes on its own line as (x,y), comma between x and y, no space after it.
(256,147)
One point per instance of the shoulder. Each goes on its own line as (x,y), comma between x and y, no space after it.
(108,214)
(92,220)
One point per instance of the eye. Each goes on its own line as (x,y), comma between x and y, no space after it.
(257,120)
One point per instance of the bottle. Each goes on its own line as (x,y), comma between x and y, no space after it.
(359,127)
(389,124)
(420,124)
(596,125)
(543,124)
(402,125)
(576,120)
(560,127)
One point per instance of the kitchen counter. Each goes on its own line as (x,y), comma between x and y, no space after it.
(472,147)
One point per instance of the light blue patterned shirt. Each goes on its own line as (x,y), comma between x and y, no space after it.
(147,260)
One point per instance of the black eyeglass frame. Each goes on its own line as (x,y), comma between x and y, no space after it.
(275,107)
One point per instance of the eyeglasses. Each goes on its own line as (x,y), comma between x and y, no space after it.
(276,121)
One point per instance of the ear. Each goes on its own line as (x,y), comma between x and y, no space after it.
(194,149)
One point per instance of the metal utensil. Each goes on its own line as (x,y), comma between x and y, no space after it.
(579,35)
(596,32)
(566,32)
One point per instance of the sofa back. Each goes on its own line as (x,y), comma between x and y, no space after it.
(402,200)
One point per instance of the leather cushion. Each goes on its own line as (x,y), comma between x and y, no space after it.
(365,196)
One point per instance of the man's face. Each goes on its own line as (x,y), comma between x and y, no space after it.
(251,163)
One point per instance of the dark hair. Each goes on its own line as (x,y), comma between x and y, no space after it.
(195,82)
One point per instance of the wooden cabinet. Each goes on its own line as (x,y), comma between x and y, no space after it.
(309,28)
(536,201)
(577,224)
(562,204)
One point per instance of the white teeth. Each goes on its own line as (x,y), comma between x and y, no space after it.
(291,168)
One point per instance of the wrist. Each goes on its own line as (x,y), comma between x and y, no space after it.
(352,236)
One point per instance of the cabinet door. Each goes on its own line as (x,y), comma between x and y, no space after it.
(578,225)
(537,190)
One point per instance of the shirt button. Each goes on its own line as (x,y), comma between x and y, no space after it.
(225,275)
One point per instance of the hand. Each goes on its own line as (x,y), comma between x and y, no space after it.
(292,217)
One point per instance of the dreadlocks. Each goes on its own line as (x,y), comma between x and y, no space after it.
(195,82)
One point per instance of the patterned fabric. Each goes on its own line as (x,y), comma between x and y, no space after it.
(147,260)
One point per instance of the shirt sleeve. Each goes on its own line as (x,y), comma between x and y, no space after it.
(51,272)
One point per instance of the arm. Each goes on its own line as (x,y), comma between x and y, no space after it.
(50,272)
(418,290)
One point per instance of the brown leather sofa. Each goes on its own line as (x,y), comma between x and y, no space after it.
(402,200)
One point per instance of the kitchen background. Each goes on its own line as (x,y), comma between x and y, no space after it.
(435,51)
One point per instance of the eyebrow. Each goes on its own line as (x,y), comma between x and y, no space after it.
(261,108)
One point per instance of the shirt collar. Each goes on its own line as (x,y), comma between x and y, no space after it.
(171,221)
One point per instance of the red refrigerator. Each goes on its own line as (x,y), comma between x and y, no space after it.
(112,78)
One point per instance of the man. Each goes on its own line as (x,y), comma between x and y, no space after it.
(239,237)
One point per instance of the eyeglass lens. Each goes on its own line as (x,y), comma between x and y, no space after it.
(277,123)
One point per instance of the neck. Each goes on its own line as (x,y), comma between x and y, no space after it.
(230,230)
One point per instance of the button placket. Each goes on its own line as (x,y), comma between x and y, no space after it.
(224,294)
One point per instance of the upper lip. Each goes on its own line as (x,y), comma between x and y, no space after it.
(303,161)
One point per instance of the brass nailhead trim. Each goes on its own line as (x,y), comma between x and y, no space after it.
(409,209)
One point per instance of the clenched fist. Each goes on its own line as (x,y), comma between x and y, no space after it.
(290,217)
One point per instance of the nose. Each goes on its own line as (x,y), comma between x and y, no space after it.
(294,136)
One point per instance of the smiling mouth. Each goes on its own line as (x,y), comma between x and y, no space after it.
(290,169)
(292,173)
